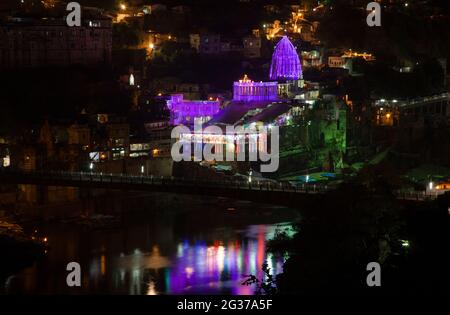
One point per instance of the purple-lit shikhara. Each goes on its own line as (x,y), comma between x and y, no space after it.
(285,62)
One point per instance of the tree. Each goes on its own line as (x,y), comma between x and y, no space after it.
(125,35)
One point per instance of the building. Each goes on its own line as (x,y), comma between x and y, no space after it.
(80,135)
(435,109)
(160,142)
(157,142)
(347,61)
(336,62)
(190,91)
(247,90)
(110,138)
(185,111)
(285,62)
(311,58)
(306,119)
(33,42)
(286,68)
(118,135)
(252,46)
(205,43)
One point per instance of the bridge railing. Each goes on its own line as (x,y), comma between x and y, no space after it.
(416,195)
(95,177)
(149,180)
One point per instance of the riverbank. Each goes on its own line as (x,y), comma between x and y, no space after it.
(354,227)
(19,249)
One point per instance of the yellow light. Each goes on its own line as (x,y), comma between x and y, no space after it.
(160,94)
(151,45)
(123,6)
(189,271)
(388,115)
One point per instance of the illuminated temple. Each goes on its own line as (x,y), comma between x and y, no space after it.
(286,82)
(247,90)
(185,111)
(285,62)
(280,102)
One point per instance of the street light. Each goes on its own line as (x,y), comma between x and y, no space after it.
(91,166)
(142,169)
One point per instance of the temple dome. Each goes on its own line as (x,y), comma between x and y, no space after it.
(285,62)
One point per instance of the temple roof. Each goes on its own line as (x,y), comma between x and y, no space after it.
(285,62)
(235,111)
(239,112)
(270,113)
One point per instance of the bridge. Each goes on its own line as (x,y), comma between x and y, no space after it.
(280,193)
(272,192)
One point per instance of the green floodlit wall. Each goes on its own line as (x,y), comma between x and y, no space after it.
(317,145)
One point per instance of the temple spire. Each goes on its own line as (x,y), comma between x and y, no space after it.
(285,62)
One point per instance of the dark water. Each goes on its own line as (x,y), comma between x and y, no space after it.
(162,253)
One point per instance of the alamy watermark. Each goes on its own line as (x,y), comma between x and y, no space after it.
(374,277)
(74,17)
(374,17)
(211,144)
(73,279)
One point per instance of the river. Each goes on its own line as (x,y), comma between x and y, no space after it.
(208,248)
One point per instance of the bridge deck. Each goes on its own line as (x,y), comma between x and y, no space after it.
(259,191)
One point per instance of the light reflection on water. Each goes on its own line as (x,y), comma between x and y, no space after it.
(196,267)
(149,258)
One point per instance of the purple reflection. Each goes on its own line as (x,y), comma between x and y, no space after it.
(219,267)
